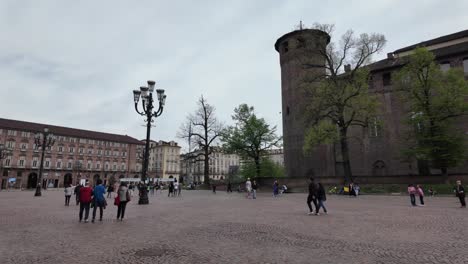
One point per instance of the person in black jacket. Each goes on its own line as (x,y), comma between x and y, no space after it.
(312,196)
(77,193)
(321,197)
(460,191)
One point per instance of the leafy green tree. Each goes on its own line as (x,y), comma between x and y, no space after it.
(267,169)
(250,137)
(435,100)
(337,93)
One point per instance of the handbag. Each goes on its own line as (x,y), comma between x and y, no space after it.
(117,200)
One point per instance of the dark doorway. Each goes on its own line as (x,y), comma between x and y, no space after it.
(32,181)
(67,179)
(56,182)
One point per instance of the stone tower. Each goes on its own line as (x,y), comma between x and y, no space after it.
(296,49)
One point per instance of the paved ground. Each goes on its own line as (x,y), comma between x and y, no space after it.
(204,228)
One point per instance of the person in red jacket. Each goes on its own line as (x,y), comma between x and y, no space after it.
(86,196)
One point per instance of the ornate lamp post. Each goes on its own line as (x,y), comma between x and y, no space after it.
(146,94)
(45,140)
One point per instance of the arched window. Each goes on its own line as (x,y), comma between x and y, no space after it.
(379,168)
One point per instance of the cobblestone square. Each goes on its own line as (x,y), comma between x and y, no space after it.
(201,227)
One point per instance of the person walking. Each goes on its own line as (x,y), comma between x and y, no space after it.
(99,200)
(68,193)
(312,197)
(123,197)
(412,192)
(420,193)
(460,192)
(86,194)
(179,191)
(275,189)
(77,193)
(176,187)
(229,187)
(171,189)
(110,189)
(321,197)
(130,189)
(254,189)
(248,187)
(213,186)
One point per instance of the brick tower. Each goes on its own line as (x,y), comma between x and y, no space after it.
(296,49)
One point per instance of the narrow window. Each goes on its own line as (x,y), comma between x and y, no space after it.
(387,79)
(301,43)
(285,47)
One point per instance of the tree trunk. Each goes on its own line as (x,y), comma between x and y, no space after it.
(345,155)
(206,173)
(257,167)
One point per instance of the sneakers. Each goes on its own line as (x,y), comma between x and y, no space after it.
(310,213)
(317,213)
(86,220)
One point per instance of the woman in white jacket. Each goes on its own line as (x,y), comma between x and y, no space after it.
(68,193)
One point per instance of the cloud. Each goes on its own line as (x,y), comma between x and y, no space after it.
(76,63)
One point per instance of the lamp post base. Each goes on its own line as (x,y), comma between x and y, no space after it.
(38,191)
(143,196)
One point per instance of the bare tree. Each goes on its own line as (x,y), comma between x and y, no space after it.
(202,129)
(338,97)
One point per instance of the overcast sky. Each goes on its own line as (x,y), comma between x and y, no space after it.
(75,63)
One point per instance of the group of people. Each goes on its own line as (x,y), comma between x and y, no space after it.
(317,196)
(251,189)
(174,189)
(416,191)
(87,197)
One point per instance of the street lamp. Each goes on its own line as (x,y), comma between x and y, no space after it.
(146,94)
(44,140)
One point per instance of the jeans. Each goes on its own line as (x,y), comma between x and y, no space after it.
(84,207)
(254,194)
(413,199)
(101,209)
(321,205)
(461,196)
(121,210)
(310,199)
(67,200)
(421,199)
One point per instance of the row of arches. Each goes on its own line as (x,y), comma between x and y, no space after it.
(67,179)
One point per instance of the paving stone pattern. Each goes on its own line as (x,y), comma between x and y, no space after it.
(201,227)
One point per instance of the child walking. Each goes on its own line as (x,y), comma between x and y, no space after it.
(412,193)
(420,192)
